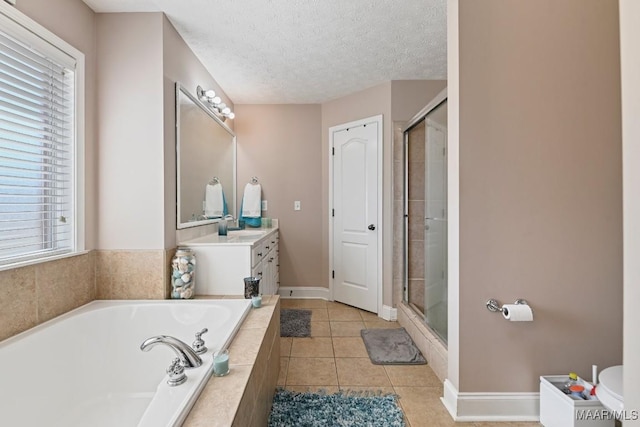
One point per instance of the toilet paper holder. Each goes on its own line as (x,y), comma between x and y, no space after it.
(494,306)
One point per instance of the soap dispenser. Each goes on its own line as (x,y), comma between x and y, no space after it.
(222,227)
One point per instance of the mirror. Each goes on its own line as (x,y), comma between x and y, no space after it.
(205,150)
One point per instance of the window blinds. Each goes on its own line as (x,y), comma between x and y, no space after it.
(36,152)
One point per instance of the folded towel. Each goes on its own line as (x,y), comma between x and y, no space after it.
(214,201)
(252,201)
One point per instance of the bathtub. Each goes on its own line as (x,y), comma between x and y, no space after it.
(85,368)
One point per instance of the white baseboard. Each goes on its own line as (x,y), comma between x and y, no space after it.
(303,292)
(389,313)
(491,406)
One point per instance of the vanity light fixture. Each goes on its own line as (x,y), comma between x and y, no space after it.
(215,104)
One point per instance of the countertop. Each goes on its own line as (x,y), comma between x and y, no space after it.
(248,236)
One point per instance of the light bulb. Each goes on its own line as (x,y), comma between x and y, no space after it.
(231,116)
(216,100)
(226,111)
(210,93)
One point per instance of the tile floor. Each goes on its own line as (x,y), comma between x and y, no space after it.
(334,358)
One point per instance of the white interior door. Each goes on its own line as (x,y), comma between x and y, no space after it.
(355,214)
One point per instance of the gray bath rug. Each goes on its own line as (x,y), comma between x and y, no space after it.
(295,323)
(391,347)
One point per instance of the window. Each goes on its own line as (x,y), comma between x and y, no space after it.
(39,143)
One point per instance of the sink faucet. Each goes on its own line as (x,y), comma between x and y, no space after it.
(185,353)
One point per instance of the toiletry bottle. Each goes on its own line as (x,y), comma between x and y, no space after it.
(573,380)
(577,392)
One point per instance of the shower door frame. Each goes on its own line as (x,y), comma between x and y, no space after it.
(420,116)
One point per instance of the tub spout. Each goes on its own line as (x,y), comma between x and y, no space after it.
(185,353)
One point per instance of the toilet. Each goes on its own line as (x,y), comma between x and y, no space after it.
(609,389)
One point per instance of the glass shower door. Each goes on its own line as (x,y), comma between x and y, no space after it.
(435,223)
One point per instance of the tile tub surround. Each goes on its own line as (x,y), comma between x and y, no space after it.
(40,292)
(133,274)
(243,398)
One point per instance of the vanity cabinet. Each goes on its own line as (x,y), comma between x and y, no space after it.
(222,262)
(265,264)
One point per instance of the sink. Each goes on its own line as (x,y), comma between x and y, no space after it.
(247,233)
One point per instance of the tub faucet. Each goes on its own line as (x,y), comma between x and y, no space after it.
(185,353)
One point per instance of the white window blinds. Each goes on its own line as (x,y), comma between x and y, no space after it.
(36,152)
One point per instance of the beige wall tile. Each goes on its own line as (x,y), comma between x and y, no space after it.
(63,285)
(245,346)
(18,303)
(212,410)
(140,275)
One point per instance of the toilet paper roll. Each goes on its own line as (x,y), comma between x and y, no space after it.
(517,312)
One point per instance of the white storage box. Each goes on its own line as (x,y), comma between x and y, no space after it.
(559,410)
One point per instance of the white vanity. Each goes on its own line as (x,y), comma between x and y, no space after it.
(222,262)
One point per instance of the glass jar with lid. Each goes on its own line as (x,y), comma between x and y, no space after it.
(183,274)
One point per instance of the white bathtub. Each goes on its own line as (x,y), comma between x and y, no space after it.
(85,368)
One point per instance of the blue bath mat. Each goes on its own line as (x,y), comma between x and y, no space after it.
(291,409)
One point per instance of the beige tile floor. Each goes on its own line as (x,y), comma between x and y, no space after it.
(334,358)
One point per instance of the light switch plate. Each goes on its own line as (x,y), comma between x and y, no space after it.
(264,205)
(296,205)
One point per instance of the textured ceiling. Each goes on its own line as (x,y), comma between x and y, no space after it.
(305,51)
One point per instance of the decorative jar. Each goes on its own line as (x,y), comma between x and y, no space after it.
(183,274)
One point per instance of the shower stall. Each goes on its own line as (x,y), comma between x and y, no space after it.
(425,215)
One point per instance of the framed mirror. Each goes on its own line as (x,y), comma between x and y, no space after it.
(205,163)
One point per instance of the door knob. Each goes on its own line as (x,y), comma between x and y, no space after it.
(371,227)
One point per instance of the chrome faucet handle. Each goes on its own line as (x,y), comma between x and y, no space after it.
(176,373)
(198,345)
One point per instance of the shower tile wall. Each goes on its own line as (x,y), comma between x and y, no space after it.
(415,255)
(416,156)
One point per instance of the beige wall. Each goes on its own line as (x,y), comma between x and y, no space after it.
(366,103)
(179,65)
(630,67)
(280,144)
(540,189)
(130,113)
(408,97)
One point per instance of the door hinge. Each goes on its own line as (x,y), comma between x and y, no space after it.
(333,212)
(444,150)
(333,274)
(333,151)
